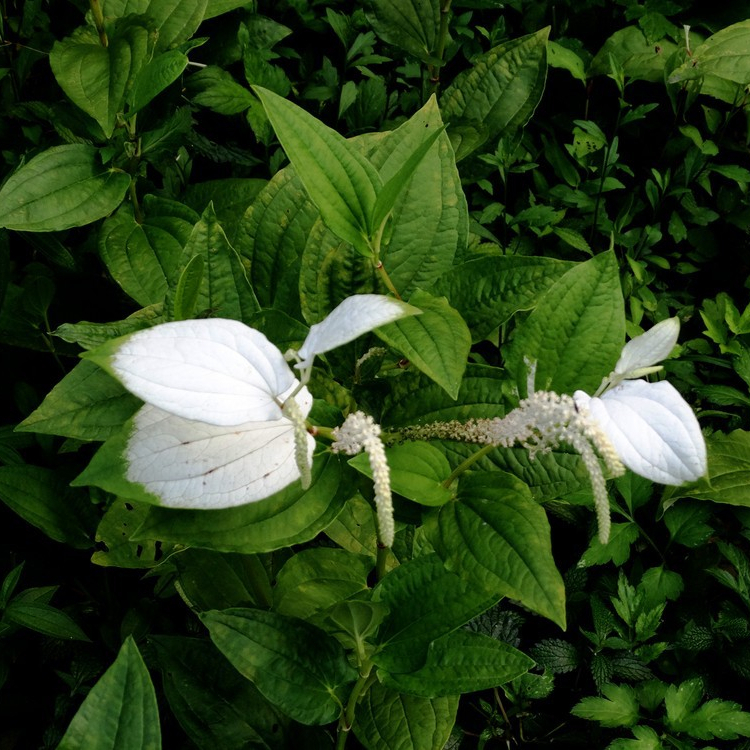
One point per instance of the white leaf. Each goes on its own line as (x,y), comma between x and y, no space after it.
(652,428)
(191,464)
(356,315)
(217,371)
(650,347)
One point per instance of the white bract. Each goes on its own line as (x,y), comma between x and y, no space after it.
(224,421)
(652,428)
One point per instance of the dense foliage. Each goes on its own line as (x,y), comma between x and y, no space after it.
(542,181)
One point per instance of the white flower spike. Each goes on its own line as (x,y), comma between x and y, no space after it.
(651,426)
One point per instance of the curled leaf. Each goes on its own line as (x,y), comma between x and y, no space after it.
(651,347)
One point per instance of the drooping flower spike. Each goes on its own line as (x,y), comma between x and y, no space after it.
(224,421)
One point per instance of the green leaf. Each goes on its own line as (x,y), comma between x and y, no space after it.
(291,516)
(92,335)
(645,739)
(142,255)
(224,289)
(728,469)
(619,707)
(154,77)
(461,662)
(120,711)
(341,182)
(418,470)
(576,331)
(272,237)
(616,550)
(501,89)
(63,187)
(640,58)
(216,89)
(188,287)
(42,497)
(215,705)
(724,55)
(315,579)
(429,223)
(495,535)
(296,666)
(44,619)
(437,342)
(87,404)
(488,291)
(97,78)
(412,25)
(566,59)
(687,525)
(114,546)
(425,601)
(386,720)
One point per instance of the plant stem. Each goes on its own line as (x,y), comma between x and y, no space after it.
(366,678)
(381,560)
(96,11)
(434,70)
(136,205)
(386,279)
(466,463)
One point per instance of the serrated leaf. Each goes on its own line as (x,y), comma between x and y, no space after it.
(619,707)
(437,342)
(556,655)
(616,550)
(341,182)
(387,720)
(296,666)
(461,662)
(496,535)
(501,89)
(120,711)
(87,404)
(154,77)
(576,332)
(410,24)
(63,187)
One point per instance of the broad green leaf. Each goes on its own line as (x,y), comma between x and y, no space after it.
(723,55)
(425,601)
(341,182)
(315,579)
(418,470)
(215,705)
(272,237)
(45,619)
(97,78)
(559,56)
(461,662)
(488,291)
(616,550)
(640,58)
(63,187)
(120,711)
(687,523)
(728,471)
(219,580)
(296,666)
(185,297)
(224,290)
(292,516)
(429,223)
(216,89)
(437,342)
(576,331)
(91,335)
(87,404)
(412,25)
(619,707)
(154,77)
(501,89)
(42,498)
(495,535)
(114,546)
(142,256)
(386,720)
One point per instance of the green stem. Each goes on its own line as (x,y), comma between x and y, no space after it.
(466,463)
(136,205)
(386,279)
(96,11)
(366,678)
(381,560)
(434,70)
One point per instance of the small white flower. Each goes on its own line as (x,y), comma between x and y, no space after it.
(652,428)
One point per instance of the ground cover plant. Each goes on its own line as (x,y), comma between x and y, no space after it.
(378,374)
